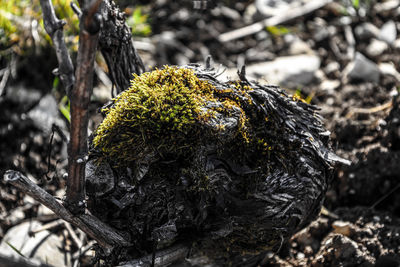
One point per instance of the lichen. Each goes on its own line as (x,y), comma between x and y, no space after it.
(165,111)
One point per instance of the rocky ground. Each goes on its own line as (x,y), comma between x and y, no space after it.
(342,57)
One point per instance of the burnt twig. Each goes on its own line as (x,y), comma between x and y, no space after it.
(160,258)
(54,27)
(117,48)
(107,237)
(80,99)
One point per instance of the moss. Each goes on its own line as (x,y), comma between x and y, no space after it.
(165,111)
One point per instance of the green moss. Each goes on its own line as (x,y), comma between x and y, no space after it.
(164,111)
(170,112)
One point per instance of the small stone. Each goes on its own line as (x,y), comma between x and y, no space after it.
(250,13)
(361,69)
(329,85)
(338,248)
(319,29)
(229,13)
(268,8)
(394,92)
(29,200)
(344,228)
(396,44)
(289,38)
(303,238)
(23,95)
(332,67)
(376,47)
(366,31)
(389,69)
(45,114)
(300,256)
(345,20)
(319,76)
(386,6)
(308,250)
(290,71)
(258,55)
(388,32)
(298,47)
(16,215)
(261,36)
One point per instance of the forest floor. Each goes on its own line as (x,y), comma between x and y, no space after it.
(341,57)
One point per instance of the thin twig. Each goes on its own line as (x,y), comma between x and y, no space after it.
(385,196)
(49,155)
(351,50)
(54,27)
(4,80)
(107,237)
(83,250)
(47,226)
(73,235)
(372,110)
(273,21)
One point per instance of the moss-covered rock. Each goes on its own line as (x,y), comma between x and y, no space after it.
(234,168)
(168,111)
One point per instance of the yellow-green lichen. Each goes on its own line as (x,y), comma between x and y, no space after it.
(163,111)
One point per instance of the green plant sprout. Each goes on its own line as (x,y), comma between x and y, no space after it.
(15,249)
(64,107)
(278,31)
(356,4)
(298,95)
(164,111)
(139,23)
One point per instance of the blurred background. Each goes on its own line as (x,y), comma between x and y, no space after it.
(342,56)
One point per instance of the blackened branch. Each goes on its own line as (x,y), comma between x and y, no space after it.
(117,47)
(107,237)
(54,27)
